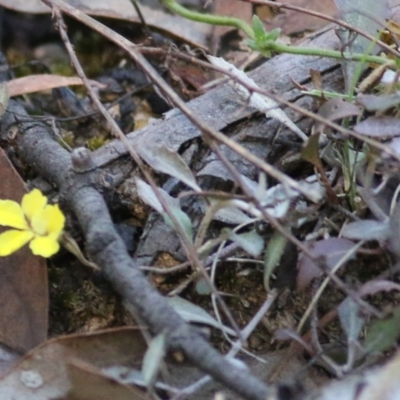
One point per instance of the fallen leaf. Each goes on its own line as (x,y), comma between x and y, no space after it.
(90,383)
(168,161)
(332,249)
(350,318)
(372,102)
(231,8)
(292,22)
(366,230)
(379,127)
(192,313)
(36,83)
(56,368)
(335,109)
(383,334)
(23,284)
(251,242)
(153,359)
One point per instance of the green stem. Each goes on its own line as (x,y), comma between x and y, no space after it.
(307,51)
(269,46)
(208,18)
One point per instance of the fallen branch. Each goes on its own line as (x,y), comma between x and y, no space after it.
(78,193)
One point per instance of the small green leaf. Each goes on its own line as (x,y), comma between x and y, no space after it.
(350,319)
(203,288)
(273,254)
(146,194)
(183,220)
(152,359)
(383,334)
(192,313)
(260,35)
(265,53)
(273,35)
(163,159)
(251,242)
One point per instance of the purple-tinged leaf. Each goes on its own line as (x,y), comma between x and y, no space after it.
(338,108)
(379,127)
(377,286)
(329,250)
(335,109)
(372,102)
(366,230)
(394,145)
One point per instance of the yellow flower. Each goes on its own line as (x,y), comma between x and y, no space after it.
(34,221)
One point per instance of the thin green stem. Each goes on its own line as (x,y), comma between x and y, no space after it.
(173,6)
(307,51)
(270,45)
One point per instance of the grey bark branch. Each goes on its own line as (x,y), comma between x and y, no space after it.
(37,147)
(220,107)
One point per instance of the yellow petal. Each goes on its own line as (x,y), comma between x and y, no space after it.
(55,219)
(39,224)
(33,202)
(44,246)
(49,221)
(13,240)
(12,215)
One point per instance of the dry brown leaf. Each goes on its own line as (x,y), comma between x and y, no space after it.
(36,83)
(293,22)
(23,283)
(89,383)
(231,8)
(50,371)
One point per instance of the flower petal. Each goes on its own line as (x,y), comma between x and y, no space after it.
(49,221)
(55,219)
(33,202)
(13,240)
(39,224)
(12,215)
(44,246)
